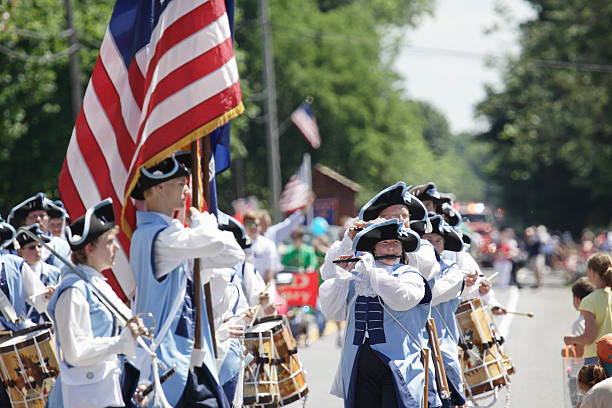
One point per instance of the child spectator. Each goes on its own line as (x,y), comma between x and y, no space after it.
(580,289)
(597,379)
(595,308)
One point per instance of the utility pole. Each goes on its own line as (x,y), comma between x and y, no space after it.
(75,66)
(274,173)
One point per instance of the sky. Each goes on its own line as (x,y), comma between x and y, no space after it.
(440,61)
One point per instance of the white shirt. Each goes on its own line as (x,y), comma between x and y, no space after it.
(176,244)
(75,335)
(252,283)
(447,287)
(31,286)
(263,255)
(277,233)
(399,293)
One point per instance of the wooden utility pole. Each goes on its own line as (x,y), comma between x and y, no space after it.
(76,92)
(274,172)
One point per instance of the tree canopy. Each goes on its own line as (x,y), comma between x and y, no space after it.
(549,127)
(339,52)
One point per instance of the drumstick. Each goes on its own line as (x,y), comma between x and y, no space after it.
(6,333)
(39,294)
(528,314)
(425,357)
(163,378)
(259,305)
(492,276)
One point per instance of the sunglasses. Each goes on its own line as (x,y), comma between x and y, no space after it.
(251,224)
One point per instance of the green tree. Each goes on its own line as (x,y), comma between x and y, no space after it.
(550,130)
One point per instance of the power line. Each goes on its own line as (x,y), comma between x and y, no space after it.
(38,59)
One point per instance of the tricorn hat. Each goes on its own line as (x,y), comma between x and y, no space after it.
(227,223)
(450,215)
(7,233)
(57,210)
(452,239)
(367,239)
(395,194)
(23,239)
(20,212)
(177,165)
(96,221)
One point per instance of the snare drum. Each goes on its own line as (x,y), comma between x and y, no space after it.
(275,375)
(28,366)
(485,366)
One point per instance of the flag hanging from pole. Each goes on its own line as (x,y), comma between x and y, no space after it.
(166,76)
(305,121)
(297,192)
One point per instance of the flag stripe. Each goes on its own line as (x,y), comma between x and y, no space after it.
(103,132)
(199,67)
(199,20)
(113,64)
(110,103)
(214,35)
(174,11)
(188,97)
(81,175)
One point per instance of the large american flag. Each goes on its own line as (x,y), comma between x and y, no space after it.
(166,76)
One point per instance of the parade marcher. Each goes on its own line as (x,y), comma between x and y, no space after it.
(18,284)
(431,198)
(87,329)
(596,307)
(7,236)
(31,251)
(253,285)
(446,288)
(160,257)
(58,220)
(229,310)
(386,304)
(36,210)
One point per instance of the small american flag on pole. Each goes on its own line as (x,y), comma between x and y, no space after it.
(296,193)
(305,121)
(166,76)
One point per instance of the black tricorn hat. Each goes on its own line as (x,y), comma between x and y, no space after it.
(96,221)
(7,234)
(452,239)
(427,191)
(395,194)
(227,223)
(57,210)
(23,239)
(450,215)
(391,229)
(20,212)
(466,239)
(177,165)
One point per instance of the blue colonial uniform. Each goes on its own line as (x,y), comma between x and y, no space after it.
(396,338)
(12,286)
(448,336)
(158,297)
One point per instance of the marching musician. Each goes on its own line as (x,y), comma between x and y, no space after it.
(386,304)
(446,288)
(36,210)
(160,257)
(88,332)
(245,274)
(18,284)
(392,202)
(31,251)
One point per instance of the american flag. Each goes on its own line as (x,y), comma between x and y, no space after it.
(296,193)
(305,121)
(166,76)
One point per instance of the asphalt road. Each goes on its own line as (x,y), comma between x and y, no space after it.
(533,344)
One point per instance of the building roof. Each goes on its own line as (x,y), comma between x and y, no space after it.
(326,171)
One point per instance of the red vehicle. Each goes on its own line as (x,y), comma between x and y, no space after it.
(479,220)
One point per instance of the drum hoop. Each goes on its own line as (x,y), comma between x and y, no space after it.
(265,319)
(44,335)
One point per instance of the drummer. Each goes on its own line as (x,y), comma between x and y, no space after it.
(446,291)
(31,251)
(36,210)
(19,286)
(87,329)
(386,304)
(251,281)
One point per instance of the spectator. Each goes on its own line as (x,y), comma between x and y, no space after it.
(300,255)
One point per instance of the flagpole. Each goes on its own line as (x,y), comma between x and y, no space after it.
(197,283)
